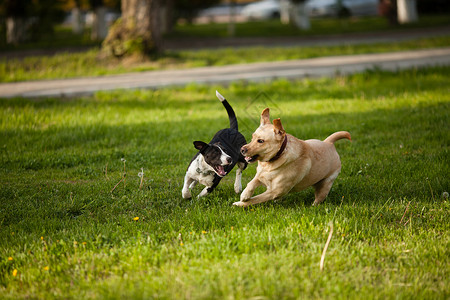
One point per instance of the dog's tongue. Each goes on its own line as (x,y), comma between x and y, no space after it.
(221,171)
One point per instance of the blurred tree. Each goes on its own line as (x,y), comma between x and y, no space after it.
(294,12)
(30,19)
(388,9)
(98,8)
(77,18)
(99,28)
(137,32)
(407,11)
(167,15)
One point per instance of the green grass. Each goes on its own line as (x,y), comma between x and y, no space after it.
(319,26)
(87,63)
(70,236)
(62,37)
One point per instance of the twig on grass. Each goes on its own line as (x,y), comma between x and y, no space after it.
(406,209)
(122,179)
(322,259)
(141,175)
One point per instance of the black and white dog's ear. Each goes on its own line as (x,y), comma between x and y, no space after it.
(199,145)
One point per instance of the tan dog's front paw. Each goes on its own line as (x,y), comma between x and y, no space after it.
(240,204)
(245,195)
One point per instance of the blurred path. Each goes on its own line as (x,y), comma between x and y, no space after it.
(316,67)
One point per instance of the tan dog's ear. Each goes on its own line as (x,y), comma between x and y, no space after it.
(278,128)
(265,117)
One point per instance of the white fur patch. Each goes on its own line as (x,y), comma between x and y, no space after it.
(200,171)
(224,157)
(221,98)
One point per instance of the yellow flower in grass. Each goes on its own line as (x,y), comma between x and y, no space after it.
(14,273)
(204,232)
(46,268)
(181,244)
(42,238)
(10,258)
(136,218)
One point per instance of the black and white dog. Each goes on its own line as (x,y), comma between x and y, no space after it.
(217,158)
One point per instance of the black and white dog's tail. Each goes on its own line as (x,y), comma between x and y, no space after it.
(230,111)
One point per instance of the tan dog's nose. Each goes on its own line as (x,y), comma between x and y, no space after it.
(243,150)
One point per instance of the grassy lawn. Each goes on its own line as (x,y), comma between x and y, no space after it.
(63,36)
(68,233)
(319,26)
(87,63)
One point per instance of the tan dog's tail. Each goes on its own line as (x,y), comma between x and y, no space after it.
(337,136)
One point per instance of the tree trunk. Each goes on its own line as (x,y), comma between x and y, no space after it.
(16,30)
(232,21)
(77,21)
(99,27)
(387,9)
(285,15)
(294,12)
(407,11)
(300,16)
(167,18)
(137,31)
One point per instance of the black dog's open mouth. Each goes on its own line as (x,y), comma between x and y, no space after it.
(220,170)
(251,159)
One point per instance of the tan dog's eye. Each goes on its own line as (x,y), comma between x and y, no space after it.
(260,141)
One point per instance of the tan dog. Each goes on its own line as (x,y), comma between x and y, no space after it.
(287,164)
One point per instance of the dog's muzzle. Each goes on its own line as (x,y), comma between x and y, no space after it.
(243,150)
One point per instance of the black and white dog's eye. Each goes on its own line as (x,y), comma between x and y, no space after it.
(260,141)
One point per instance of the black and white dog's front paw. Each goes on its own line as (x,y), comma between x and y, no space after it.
(204,192)
(186,193)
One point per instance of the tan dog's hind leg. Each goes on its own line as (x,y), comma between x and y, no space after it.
(323,187)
